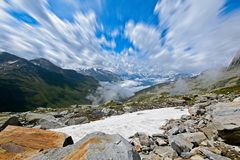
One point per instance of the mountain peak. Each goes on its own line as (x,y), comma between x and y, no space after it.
(46,64)
(235,61)
(7,57)
(100,74)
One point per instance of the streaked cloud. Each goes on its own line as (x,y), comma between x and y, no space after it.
(190,36)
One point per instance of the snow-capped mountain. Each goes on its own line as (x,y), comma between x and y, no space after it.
(101,74)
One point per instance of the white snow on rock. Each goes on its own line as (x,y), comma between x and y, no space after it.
(148,121)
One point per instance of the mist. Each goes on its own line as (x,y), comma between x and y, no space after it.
(116,91)
(203,80)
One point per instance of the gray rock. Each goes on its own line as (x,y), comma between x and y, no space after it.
(161,142)
(49,124)
(201,99)
(197,157)
(226,119)
(213,156)
(184,142)
(195,138)
(198,109)
(93,147)
(159,135)
(210,132)
(173,131)
(178,102)
(129,109)
(35,117)
(236,100)
(165,152)
(145,140)
(179,144)
(76,121)
(185,117)
(108,111)
(136,143)
(176,130)
(186,155)
(146,149)
(11,121)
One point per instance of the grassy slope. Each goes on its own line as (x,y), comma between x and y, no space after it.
(28,86)
(227,81)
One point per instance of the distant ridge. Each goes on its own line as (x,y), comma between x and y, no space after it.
(101,74)
(25,85)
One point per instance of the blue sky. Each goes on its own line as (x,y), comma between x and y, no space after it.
(133,36)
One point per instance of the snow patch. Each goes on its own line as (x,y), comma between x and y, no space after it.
(148,121)
(12,62)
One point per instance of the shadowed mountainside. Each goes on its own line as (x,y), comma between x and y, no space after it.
(25,85)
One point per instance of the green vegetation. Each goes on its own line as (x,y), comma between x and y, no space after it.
(228,90)
(25,86)
(112,105)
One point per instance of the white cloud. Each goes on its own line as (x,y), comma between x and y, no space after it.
(210,38)
(115,91)
(144,37)
(67,44)
(115,33)
(213,37)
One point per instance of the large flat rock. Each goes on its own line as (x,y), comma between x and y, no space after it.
(226,119)
(22,143)
(94,146)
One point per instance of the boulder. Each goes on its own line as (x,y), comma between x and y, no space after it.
(14,121)
(161,142)
(159,135)
(213,156)
(22,143)
(179,144)
(108,111)
(196,157)
(144,139)
(92,147)
(236,100)
(137,145)
(35,117)
(226,120)
(198,109)
(165,152)
(153,156)
(176,130)
(195,138)
(76,121)
(184,142)
(210,132)
(49,124)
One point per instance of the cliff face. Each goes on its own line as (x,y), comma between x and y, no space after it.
(235,62)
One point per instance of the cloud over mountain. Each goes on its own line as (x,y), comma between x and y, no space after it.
(188,36)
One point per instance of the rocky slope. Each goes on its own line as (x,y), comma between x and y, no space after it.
(25,85)
(210,131)
(219,81)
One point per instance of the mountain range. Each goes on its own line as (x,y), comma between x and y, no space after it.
(101,74)
(25,85)
(217,81)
